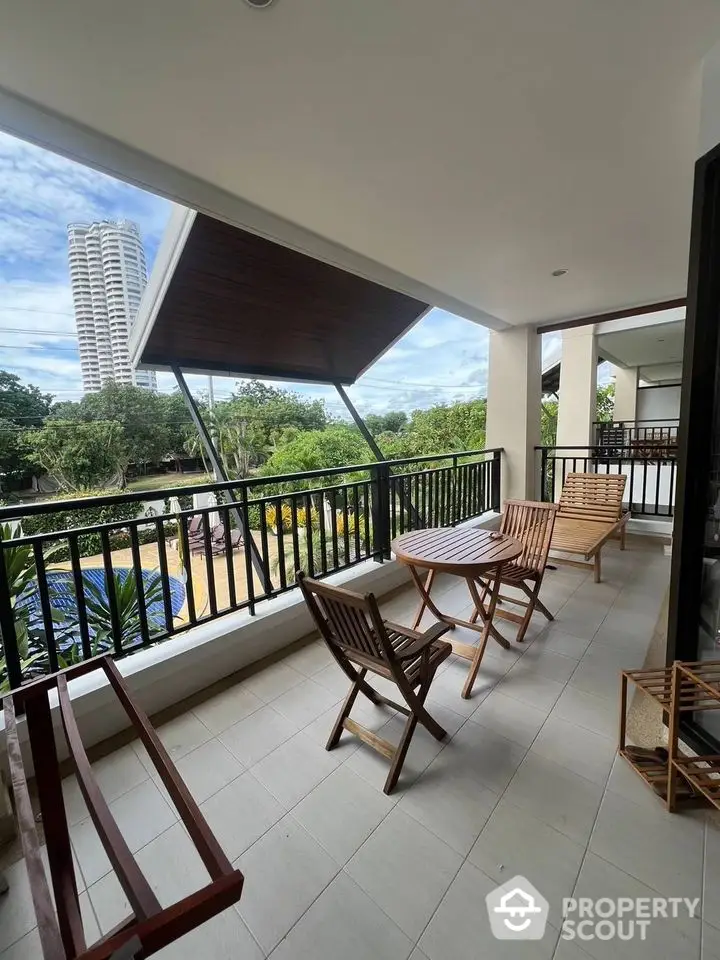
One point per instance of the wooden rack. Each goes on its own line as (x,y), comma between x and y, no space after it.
(680,688)
(695,687)
(150,927)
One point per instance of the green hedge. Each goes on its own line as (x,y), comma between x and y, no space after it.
(89,544)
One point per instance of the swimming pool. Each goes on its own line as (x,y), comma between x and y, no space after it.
(61,589)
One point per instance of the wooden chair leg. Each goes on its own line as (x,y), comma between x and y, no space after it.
(347,706)
(416,702)
(526,620)
(597,567)
(484,637)
(535,603)
(623,531)
(400,754)
(543,609)
(486,586)
(431,725)
(427,587)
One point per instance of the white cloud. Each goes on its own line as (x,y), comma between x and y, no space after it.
(40,193)
(442,359)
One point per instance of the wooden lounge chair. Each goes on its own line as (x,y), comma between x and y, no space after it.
(361,642)
(195,527)
(195,532)
(219,546)
(589,514)
(532,524)
(217,537)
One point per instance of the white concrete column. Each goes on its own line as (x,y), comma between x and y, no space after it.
(513,408)
(626,385)
(578,387)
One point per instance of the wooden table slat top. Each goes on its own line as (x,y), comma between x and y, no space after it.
(453,549)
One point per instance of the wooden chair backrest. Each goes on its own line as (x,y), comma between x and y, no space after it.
(592,496)
(530,522)
(348,621)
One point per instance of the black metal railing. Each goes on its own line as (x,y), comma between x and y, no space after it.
(638,438)
(650,484)
(70,588)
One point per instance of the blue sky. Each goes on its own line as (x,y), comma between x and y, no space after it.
(443,358)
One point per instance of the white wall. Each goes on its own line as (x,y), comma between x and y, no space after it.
(658,403)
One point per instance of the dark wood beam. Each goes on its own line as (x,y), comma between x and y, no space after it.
(613,315)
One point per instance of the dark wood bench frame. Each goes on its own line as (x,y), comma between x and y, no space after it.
(150,927)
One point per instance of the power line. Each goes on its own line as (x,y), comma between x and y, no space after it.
(31,331)
(50,313)
(38,346)
(410,383)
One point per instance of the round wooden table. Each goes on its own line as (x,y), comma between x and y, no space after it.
(466,553)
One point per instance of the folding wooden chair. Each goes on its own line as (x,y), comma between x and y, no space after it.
(532,524)
(361,642)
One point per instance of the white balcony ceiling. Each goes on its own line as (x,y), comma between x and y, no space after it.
(644,346)
(467,149)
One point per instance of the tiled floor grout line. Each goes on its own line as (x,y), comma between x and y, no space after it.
(499,796)
(602,799)
(465,719)
(527,751)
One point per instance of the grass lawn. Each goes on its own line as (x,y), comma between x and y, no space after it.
(162,481)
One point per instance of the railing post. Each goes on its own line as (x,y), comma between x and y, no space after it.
(376,513)
(381,512)
(454,506)
(543,473)
(495,479)
(7,627)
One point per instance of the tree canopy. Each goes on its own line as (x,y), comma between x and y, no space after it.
(79,455)
(338,445)
(22,407)
(152,424)
(260,430)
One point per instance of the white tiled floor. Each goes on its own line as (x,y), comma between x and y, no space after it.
(526,783)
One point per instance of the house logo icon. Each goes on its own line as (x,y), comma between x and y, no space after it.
(517,911)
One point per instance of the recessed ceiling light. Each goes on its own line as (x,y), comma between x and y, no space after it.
(559,273)
(661,339)
(259,3)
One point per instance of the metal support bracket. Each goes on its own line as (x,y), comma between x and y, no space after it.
(221,475)
(372,443)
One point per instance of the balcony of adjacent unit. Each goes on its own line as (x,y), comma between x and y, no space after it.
(637,437)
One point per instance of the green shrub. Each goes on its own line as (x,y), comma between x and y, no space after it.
(69,519)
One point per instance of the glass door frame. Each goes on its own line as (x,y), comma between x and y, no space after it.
(699,413)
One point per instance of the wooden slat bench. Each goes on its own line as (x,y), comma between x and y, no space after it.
(150,927)
(589,514)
